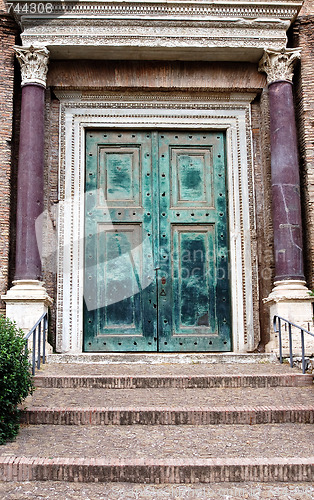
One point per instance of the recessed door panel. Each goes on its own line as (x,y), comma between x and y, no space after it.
(119,175)
(156,246)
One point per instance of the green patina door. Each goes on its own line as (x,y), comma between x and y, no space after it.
(156,242)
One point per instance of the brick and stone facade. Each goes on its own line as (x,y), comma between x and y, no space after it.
(8,34)
(217,80)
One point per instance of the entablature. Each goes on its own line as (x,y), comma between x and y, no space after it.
(182,30)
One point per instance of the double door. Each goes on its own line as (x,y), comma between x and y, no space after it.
(156,242)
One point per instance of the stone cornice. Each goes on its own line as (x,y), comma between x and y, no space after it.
(287,9)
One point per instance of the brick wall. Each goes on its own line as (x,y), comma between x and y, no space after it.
(8,33)
(49,263)
(303,36)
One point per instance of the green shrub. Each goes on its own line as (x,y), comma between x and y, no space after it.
(15,378)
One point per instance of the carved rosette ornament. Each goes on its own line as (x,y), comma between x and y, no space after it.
(279,64)
(34,64)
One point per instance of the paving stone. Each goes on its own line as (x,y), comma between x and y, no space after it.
(163,442)
(51,490)
(171,398)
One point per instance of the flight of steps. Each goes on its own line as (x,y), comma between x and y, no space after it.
(165,423)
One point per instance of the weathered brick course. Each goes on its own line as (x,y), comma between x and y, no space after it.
(179,382)
(169,416)
(152,471)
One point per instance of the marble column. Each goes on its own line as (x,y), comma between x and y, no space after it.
(290,297)
(27,300)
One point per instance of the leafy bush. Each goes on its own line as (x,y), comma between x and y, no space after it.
(15,378)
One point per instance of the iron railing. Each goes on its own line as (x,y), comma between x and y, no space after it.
(38,334)
(277,322)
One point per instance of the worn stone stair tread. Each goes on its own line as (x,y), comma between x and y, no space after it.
(54,490)
(162,358)
(172,398)
(163,442)
(166,369)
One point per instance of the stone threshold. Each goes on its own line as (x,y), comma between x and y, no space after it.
(162,358)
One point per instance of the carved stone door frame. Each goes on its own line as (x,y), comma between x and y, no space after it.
(228,113)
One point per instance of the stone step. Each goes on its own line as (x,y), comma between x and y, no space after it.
(170,375)
(166,416)
(170,406)
(161,454)
(163,442)
(54,490)
(172,381)
(169,398)
(162,358)
(161,472)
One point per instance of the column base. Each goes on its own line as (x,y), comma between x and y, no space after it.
(26,302)
(292,301)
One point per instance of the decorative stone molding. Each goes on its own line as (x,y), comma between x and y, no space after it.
(187,30)
(279,64)
(34,64)
(156,9)
(229,113)
(289,290)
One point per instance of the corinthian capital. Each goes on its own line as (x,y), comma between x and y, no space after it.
(34,64)
(279,64)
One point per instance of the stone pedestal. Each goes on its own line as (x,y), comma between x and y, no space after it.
(291,300)
(26,302)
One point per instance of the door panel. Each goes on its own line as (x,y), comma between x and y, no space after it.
(194,300)
(120,285)
(156,251)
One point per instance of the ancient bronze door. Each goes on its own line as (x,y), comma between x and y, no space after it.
(156,242)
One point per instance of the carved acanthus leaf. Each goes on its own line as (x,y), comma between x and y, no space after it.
(279,64)
(34,64)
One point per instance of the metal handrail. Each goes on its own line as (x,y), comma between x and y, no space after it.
(40,329)
(290,325)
